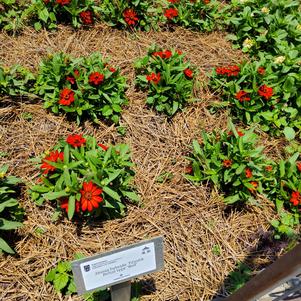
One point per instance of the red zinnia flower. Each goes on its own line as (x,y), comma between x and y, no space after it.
(86,17)
(242,96)
(163,54)
(130,17)
(189,170)
(261,70)
(296,198)
(265,91)
(249,173)
(63,2)
(179,52)
(53,157)
(155,78)
(229,71)
(76,72)
(70,79)
(76,140)
(96,78)
(90,196)
(254,184)
(104,147)
(64,205)
(188,73)
(112,69)
(227,163)
(66,97)
(269,168)
(171,13)
(206,1)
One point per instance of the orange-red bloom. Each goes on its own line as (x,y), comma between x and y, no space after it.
(188,73)
(96,78)
(242,96)
(53,157)
(155,78)
(295,198)
(227,163)
(239,133)
(166,54)
(63,2)
(269,168)
(254,184)
(171,13)
(130,17)
(90,196)
(66,97)
(265,91)
(86,17)
(229,71)
(261,70)
(76,140)
(249,173)
(299,166)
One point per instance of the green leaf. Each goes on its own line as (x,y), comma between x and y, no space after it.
(71,206)
(111,193)
(55,195)
(60,281)
(131,195)
(5,247)
(289,133)
(50,276)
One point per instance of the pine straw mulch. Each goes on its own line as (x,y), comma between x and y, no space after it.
(193,220)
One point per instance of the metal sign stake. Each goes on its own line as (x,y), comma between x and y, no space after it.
(121,291)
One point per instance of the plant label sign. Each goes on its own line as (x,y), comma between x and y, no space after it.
(118,266)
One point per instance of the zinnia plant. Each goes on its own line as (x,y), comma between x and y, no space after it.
(198,14)
(139,14)
(84,88)
(85,178)
(51,12)
(167,77)
(231,162)
(254,95)
(11,214)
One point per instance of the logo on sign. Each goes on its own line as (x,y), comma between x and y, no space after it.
(146,250)
(87,268)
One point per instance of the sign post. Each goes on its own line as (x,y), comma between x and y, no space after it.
(116,268)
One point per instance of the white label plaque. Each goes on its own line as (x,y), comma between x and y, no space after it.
(118,266)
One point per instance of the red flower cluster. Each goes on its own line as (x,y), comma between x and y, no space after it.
(76,140)
(265,91)
(71,80)
(112,69)
(227,163)
(66,97)
(261,70)
(242,96)
(53,157)
(96,78)
(130,17)
(299,166)
(86,17)
(90,196)
(63,2)
(171,13)
(296,198)
(229,71)
(249,173)
(155,78)
(163,54)
(188,73)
